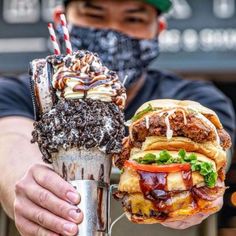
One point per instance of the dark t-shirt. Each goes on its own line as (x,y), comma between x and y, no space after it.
(15,98)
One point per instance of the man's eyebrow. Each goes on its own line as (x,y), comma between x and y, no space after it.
(93,6)
(137,10)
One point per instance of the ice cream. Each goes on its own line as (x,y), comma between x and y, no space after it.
(80,104)
(79,124)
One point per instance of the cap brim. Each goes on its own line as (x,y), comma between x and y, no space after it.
(162,5)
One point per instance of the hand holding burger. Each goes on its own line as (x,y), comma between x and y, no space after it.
(173,164)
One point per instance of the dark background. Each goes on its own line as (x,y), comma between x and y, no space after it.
(201,35)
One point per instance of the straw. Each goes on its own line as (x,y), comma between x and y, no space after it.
(66,34)
(125,80)
(53,38)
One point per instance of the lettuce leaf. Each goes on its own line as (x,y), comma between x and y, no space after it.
(142,113)
(164,158)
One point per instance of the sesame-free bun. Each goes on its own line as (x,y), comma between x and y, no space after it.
(163,104)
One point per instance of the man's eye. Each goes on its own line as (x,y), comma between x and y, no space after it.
(97,17)
(134,20)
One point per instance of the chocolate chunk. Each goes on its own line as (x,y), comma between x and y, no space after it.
(80,123)
(80,54)
(68,62)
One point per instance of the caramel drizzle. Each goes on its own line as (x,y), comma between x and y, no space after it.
(84,83)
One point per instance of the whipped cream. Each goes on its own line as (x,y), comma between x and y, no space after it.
(82,75)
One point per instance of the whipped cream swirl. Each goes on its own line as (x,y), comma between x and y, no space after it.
(82,75)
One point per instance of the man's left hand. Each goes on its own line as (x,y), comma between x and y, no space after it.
(193,220)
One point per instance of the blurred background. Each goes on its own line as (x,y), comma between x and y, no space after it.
(200,44)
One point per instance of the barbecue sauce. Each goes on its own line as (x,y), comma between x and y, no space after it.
(64,172)
(187,178)
(154,188)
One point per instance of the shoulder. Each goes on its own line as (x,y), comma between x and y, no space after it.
(168,84)
(175,87)
(14,84)
(15,98)
(172,85)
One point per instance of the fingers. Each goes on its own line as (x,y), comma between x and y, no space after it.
(45,219)
(178,225)
(51,181)
(194,219)
(184,224)
(49,201)
(45,204)
(31,229)
(175,225)
(218,203)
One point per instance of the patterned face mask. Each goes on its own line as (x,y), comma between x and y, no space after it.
(127,56)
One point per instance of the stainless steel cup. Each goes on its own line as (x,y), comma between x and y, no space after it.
(95,207)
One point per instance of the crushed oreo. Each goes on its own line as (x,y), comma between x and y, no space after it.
(80,123)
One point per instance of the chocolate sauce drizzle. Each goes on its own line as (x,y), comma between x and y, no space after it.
(80,66)
(64,171)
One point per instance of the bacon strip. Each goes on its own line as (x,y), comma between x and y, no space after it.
(209,194)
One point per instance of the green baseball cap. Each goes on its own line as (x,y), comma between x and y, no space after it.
(162,5)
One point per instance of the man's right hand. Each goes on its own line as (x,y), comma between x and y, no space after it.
(45,204)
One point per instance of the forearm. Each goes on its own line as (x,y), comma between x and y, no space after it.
(17,154)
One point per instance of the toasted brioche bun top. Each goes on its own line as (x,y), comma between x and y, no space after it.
(185,104)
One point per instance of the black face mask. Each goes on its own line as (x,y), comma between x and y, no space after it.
(127,56)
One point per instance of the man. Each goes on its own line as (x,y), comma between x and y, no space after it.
(124,33)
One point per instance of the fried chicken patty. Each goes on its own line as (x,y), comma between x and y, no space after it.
(194,129)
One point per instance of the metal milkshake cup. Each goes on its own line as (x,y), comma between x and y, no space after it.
(89,172)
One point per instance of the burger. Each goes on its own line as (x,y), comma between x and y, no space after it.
(173,162)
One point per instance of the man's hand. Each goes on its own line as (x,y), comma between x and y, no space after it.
(189,222)
(45,204)
(193,220)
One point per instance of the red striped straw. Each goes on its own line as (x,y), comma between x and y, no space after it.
(66,34)
(53,37)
